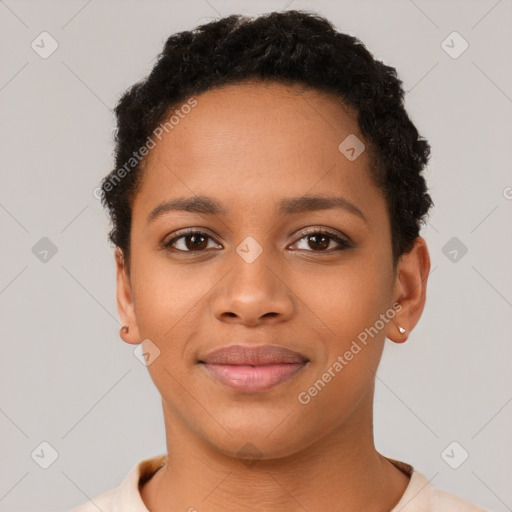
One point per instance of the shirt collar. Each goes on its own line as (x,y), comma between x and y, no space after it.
(128,495)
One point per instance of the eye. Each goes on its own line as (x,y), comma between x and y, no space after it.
(190,241)
(321,240)
(198,241)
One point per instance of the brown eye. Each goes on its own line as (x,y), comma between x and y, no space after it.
(193,241)
(321,241)
(196,242)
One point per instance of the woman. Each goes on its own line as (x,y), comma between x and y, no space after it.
(266,205)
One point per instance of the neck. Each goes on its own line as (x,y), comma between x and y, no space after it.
(341,471)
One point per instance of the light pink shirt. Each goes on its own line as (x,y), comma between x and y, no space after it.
(419,496)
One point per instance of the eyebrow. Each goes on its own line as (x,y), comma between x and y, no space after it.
(289,206)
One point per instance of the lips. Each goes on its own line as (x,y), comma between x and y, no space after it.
(254,355)
(253,369)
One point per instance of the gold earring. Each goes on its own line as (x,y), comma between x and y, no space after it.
(125,329)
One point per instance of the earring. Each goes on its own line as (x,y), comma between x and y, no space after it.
(125,329)
(401,329)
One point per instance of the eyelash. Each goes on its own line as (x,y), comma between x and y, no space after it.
(342,242)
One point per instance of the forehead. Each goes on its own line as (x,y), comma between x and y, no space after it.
(256,141)
(242,118)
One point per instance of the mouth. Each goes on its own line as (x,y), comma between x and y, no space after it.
(253,369)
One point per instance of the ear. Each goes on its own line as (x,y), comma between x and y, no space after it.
(125,302)
(410,290)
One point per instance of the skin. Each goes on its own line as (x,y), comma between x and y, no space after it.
(249,146)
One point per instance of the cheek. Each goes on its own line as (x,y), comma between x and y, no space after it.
(353,348)
(342,301)
(166,296)
(167,302)
(345,308)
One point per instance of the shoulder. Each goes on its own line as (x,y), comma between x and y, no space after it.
(103,502)
(443,501)
(421,496)
(126,496)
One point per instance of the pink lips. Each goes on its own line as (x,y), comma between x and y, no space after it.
(252,369)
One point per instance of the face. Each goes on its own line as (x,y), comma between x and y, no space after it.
(267,267)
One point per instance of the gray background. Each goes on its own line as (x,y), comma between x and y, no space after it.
(66,376)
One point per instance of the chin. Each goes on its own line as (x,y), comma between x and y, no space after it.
(260,440)
(250,450)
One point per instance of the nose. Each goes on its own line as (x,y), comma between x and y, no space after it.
(253,294)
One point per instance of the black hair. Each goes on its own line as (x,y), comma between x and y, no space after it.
(294,47)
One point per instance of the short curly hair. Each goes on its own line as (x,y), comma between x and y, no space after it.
(292,47)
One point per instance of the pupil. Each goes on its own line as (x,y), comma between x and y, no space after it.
(197,242)
(323,244)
